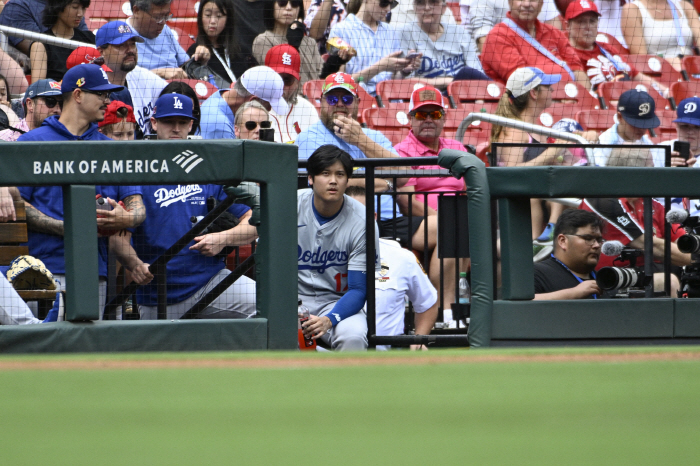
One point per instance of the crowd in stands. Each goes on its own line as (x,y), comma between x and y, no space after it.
(315,73)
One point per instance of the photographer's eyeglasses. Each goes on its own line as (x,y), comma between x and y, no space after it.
(284,3)
(51,102)
(347,99)
(590,239)
(251,125)
(434,115)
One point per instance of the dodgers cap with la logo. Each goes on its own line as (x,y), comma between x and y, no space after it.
(637,108)
(169,105)
(284,59)
(689,111)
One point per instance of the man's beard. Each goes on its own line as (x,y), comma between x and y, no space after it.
(128,67)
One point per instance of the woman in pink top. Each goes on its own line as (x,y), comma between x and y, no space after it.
(427,115)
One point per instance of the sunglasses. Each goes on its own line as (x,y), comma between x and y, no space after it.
(251,125)
(284,3)
(386,3)
(333,100)
(434,115)
(51,102)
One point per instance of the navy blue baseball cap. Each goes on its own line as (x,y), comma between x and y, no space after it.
(115,33)
(689,111)
(169,105)
(43,88)
(637,108)
(568,125)
(88,77)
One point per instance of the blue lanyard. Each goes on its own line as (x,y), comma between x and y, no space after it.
(579,279)
(677,23)
(539,47)
(615,62)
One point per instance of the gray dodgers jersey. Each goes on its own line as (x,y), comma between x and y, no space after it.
(326,252)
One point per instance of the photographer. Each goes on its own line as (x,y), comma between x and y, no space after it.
(569,272)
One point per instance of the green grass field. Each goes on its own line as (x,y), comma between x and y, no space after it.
(441,412)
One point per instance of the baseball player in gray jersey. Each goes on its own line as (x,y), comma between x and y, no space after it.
(331,253)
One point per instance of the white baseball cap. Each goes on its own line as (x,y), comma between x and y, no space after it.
(263,82)
(523,80)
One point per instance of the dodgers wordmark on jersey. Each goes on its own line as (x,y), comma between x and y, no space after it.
(326,252)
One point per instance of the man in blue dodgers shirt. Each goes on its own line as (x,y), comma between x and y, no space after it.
(332,253)
(85,90)
(196,269)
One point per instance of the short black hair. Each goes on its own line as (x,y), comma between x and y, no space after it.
(356,191)
(571,220)
(55,7)
(269,13)
(325,156)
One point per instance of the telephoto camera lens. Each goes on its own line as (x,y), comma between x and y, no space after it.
(615,278)
(689,244)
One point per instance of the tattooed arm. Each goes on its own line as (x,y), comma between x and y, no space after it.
(39,221)
(130,216)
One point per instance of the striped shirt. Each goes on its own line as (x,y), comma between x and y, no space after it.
(371,46)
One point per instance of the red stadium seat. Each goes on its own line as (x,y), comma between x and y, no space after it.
(183,38)
(456,11)
(599,120)
(569,92)
(556,112)
(667,128)
(396,93)
(203,89)
(477,132)
(313,92)
(184,8)
(95,24)
(109,10)
(656,68)
(606,38)
(685,89)
(392,122)
(691,65)
(611,92)
(464,92)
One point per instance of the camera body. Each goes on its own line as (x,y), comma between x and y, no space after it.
(690,244)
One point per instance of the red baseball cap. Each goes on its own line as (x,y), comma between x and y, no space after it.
(342,81)
(111,116)
(579,7)
(284,58)
(83,56)
(426,95)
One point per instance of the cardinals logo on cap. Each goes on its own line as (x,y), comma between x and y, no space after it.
(286,59)
(55,85)
(80,82)
(585,4)
(339,79)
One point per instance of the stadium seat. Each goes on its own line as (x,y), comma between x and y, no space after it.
(685,89)
(477,132)
(556,112)
(667,128)
(109,10)
(396,93)
(691,65)
(469,92)
(606,38)
(184,8)
(94,24)
(599,120)
(203,89)
(656,68)
(312,92)
(392,122)
(184,39)
(456,11)
(570,92)
(610,92)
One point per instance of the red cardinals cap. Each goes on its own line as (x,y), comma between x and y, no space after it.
(426,95)
(340,80)
(579,7)
(83,56)
(111,116)
(284,59)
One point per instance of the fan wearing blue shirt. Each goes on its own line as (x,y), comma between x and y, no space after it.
(199,267)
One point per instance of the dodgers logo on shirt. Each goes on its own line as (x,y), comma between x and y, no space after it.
(165,197)
(321,260)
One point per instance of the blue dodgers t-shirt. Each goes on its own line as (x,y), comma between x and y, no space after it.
(49,200)
(169,209)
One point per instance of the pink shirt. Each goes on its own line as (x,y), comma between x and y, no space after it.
(9,135)
(412,147)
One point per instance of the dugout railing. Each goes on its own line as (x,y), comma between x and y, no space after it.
(85,164)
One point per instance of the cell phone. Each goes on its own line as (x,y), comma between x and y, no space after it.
(411,56)
(683,149)
(267,134)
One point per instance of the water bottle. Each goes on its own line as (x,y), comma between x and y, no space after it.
(464,291)
(303,315)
